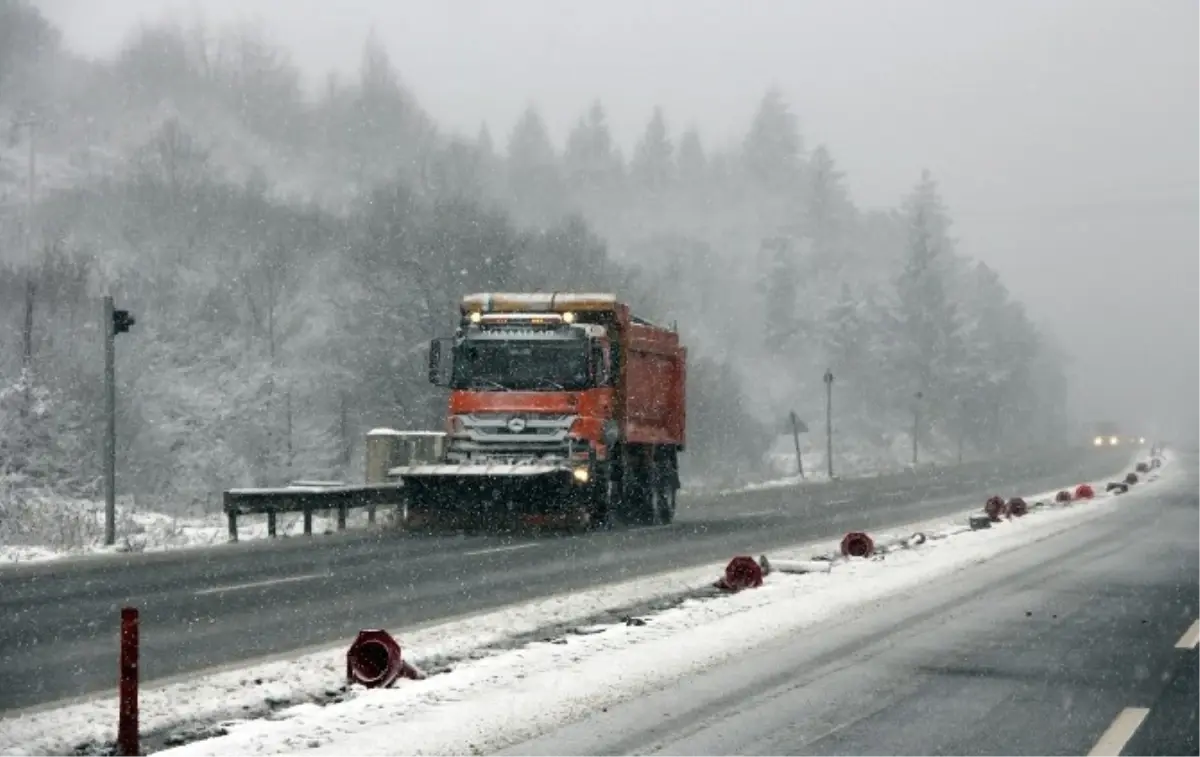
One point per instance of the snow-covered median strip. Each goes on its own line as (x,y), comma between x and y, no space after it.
(537,678)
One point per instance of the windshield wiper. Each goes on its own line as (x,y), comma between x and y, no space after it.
(489,382)
(554,384)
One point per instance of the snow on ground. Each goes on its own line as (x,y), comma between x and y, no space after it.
(496,696)
(76,527)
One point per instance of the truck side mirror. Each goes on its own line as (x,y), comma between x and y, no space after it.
(441,361)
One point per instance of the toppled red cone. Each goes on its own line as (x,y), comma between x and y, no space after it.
(742,572)
(1063,496)
(1132,478)
(375,661)
(857,544)
(1017,507)
(995,509)
(1084,491)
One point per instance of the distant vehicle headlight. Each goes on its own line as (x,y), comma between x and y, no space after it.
(1113,441)
(1141,440)
(1099,440)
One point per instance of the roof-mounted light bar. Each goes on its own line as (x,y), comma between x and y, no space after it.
(541,302)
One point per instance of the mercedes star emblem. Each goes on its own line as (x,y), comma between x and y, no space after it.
(516,424)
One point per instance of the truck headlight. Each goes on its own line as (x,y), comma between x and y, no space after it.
(581,475)
(1112,440)
(1098,441)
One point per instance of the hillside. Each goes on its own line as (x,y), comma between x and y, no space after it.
(289,258)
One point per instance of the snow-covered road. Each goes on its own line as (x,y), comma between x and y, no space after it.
(504,685)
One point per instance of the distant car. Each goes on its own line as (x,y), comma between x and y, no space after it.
(1109,435)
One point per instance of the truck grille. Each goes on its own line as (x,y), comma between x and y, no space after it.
(494,436)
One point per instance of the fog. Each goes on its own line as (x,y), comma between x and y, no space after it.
(981,218)
(1063,134)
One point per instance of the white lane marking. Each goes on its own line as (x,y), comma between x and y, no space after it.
(257,584)
(840,502)
(1120,732)
(1190,637)
(758,513)
(494,550)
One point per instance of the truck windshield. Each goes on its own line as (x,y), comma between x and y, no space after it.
(521,365)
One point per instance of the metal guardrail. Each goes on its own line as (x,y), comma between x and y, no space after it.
(306,500)
(386,448)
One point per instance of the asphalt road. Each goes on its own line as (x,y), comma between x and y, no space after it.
(236,603)
(1060,647)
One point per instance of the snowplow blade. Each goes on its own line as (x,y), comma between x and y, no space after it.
(493,496)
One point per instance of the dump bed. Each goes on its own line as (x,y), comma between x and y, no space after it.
(651,392)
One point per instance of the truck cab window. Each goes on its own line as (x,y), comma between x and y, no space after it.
(522,365)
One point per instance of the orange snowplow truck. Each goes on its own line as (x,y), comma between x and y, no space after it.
(564,409)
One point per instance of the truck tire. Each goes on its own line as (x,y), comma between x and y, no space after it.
(662,490)
(637,500)
(663,503)
(604,500)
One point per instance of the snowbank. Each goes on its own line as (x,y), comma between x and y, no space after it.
(499,692)
(55,527)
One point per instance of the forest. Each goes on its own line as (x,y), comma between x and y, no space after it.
(288,256)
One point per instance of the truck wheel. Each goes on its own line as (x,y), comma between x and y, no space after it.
(638,499)
(602,502)
(661,506)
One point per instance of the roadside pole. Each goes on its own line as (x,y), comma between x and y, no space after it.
(115,322)
(796,424)
(829,423)
(916,424)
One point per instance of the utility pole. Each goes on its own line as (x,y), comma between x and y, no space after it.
(962,423)
(916,424)
(829,423)
(797,427)
(30,123)
(115,322)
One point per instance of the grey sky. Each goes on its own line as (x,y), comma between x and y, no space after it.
(1063,132)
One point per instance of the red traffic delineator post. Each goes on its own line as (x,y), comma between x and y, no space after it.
(127,687)
(995,508)
(742,572)
(857,544)
(1017,507)
(375,660)
(1084,491)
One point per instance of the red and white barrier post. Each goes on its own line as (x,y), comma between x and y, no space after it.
(127,719)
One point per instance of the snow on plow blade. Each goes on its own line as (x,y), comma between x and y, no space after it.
(493,496)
